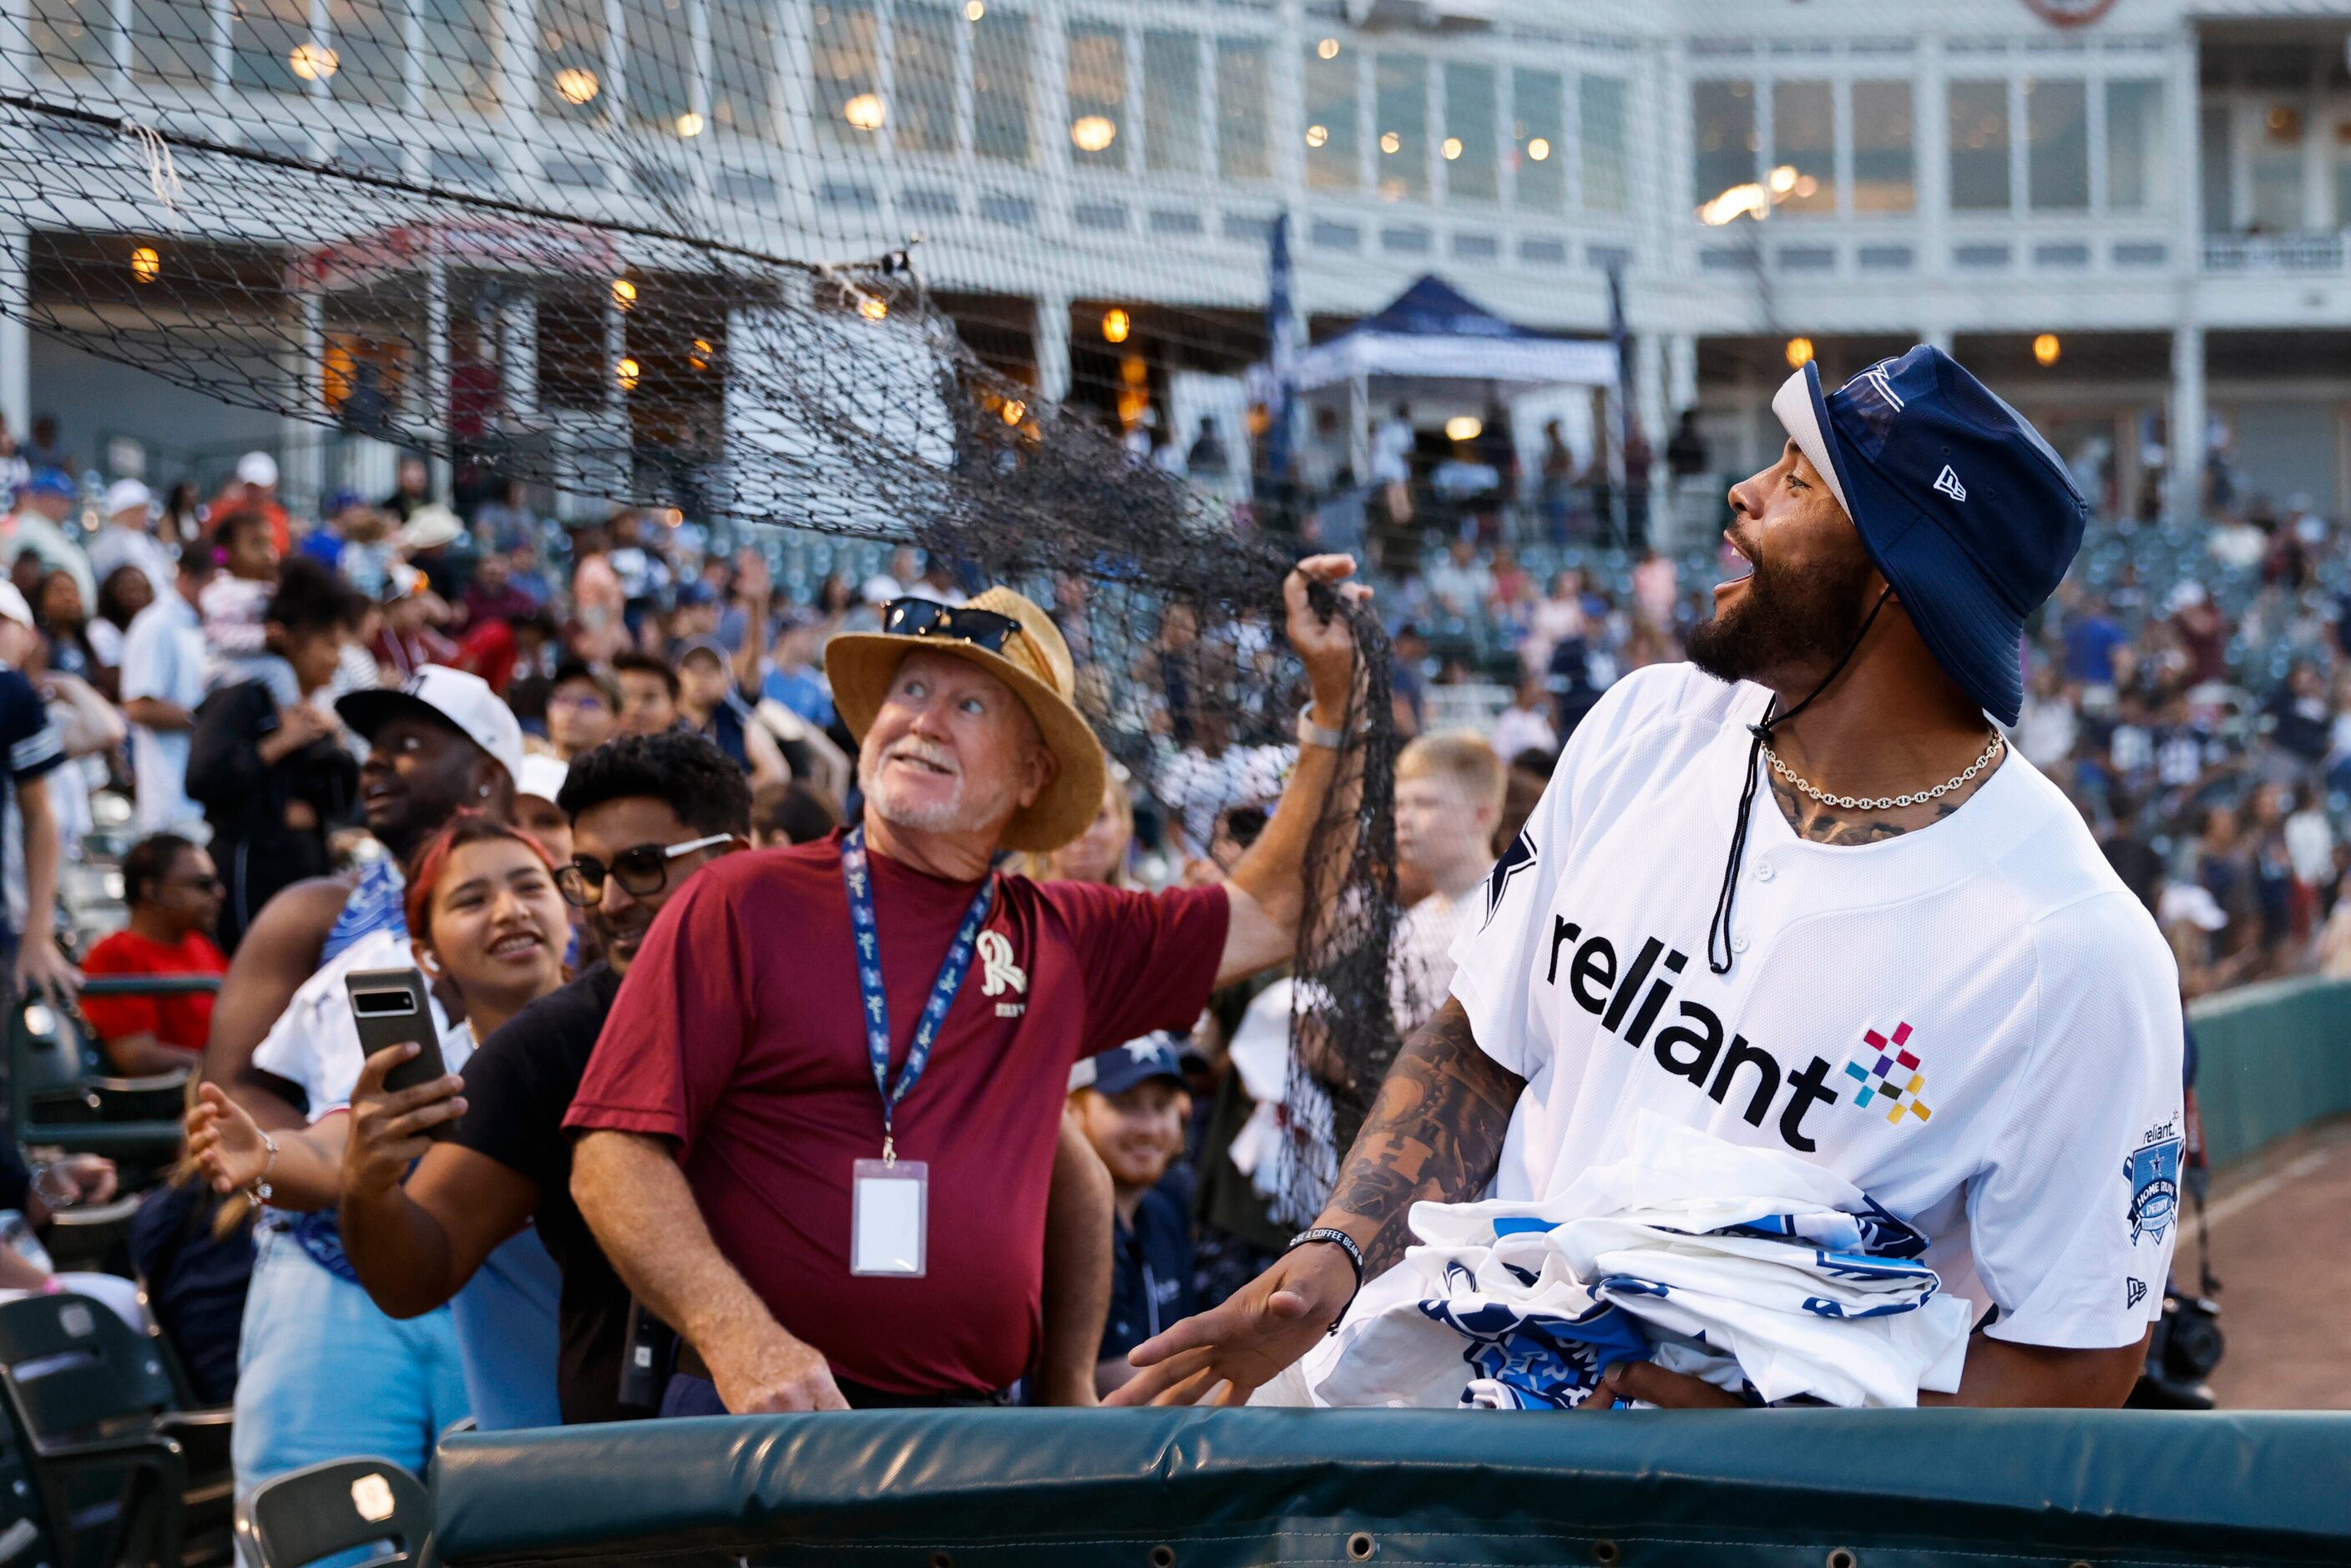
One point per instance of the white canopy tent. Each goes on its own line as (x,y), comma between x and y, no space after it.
(1432,337)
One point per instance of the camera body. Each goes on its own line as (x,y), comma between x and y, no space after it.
(2182,1355)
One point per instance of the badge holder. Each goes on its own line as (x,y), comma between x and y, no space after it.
(889,1217)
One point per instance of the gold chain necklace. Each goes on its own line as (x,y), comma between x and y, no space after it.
(1889,802)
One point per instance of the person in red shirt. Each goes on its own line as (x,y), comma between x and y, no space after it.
(819,1242)
(174,898)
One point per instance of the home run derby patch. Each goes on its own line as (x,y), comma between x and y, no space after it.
(2153,1169)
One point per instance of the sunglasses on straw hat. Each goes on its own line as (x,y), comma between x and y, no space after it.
(929,618)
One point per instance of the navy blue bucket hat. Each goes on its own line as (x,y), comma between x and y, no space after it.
(1961,504)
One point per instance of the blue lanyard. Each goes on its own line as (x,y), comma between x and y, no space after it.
(859,882)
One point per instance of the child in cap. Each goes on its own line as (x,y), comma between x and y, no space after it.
(1131,1104)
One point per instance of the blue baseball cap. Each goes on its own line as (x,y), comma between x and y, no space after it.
(1961,504)
(1136,1061)
(49,482)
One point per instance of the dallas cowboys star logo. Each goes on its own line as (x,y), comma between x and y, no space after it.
(1520,856)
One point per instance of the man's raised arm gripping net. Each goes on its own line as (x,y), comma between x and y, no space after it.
(733,257)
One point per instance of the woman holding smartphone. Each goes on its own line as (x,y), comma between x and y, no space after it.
(487,929)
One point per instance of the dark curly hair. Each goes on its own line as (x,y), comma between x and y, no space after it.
(683,772)
(311,597)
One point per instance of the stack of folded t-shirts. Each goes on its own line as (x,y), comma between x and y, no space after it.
(1747,1267)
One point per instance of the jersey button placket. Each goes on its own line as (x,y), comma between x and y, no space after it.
(1765,871)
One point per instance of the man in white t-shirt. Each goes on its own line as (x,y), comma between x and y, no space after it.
(1971,1020)
(163,683)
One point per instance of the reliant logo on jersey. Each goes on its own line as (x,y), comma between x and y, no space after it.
(1695,1044)
(1887,1073)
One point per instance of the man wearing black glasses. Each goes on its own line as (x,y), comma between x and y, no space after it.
(647,812)
(819,1132)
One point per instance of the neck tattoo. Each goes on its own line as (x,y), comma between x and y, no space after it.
(1815,814)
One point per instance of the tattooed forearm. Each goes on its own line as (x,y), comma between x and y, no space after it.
(1434,1133)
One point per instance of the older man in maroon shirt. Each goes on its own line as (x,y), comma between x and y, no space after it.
(819,1128)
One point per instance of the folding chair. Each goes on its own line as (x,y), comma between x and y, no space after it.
(336,1508)
(92,1401)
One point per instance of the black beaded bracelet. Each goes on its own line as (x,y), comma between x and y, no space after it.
(1346,1243)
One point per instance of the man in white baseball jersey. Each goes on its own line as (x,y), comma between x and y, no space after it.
(1908,962)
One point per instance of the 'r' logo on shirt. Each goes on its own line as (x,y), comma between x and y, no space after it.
(999,972)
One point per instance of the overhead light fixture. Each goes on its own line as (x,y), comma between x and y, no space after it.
(624,293)
(1316,135)
(577,84)
(1539,149)
(626,372)
(1783,179)
(689,124)
(1452,148)
(1800,352)
(2046,349)
(312,61)
(1116,324)
(974,10)
(1328,48)
(1094,132)
(146,264)
(1464,427)
(1749,200)
(866,111)
(1390,142)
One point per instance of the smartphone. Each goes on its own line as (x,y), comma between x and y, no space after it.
(392,1006)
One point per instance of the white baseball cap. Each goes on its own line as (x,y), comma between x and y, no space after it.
(257,468)
(13,606)
(128,495)
(453,698)
(542,776)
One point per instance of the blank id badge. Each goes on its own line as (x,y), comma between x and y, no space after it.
(889,1215)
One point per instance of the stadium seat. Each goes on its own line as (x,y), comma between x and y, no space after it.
(88,1397)
(60,1093)
(335,1509)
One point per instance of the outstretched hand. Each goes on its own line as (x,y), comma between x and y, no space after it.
(1327,648)
(1225,1355)
(224,1141)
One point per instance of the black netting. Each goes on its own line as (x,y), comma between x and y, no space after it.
(674,252)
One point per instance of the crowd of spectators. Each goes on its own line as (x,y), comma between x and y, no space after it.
(498,745)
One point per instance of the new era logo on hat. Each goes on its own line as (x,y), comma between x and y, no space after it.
(1891,443)
(451,697)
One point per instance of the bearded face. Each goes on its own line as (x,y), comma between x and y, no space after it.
(1807,591)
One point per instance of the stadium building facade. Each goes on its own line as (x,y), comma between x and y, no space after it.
(2130,215)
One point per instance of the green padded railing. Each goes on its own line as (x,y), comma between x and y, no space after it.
(1189,1489)
(2272,1058)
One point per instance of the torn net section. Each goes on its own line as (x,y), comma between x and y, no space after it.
(629,296)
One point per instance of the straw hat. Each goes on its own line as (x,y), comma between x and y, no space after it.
(1036,664)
